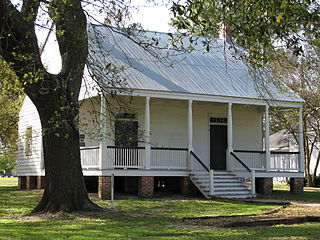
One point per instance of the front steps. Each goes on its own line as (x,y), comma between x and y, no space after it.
(225,185)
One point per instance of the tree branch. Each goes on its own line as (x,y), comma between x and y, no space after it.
(71,32)
(29,10)
(18,42)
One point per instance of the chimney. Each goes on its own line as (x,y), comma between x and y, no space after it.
(224,31)
(106,21)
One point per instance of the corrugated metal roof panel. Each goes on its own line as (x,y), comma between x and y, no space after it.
(216,72)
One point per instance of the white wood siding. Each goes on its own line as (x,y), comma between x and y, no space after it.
(29,165)
(90,121)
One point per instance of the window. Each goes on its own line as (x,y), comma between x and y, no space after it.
(28,143)
(218,120)
(82,140)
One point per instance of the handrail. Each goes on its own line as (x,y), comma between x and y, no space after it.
(249,151)
(126,147)
(279,152)
(242,163)
(85,148)
(198,159)
(272,152)
(168,148)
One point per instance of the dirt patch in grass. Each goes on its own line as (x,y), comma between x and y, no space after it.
(291,214)
(273,221)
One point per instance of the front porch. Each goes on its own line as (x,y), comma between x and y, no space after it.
(189,138)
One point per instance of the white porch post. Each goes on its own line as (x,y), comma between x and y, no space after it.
(300,139)
(103,132)
(267,138)
(229,137)
(190,132)
(147,133)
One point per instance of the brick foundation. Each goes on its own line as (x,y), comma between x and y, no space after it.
(22,183)
(187,187)
(296,185)
(145,186)
(264,186)
(31,182)
(104,187)
(40,182)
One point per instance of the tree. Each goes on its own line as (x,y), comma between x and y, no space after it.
(10,102)
(302,75)
(261,27)
(54,95)
(281,35)
(7,162)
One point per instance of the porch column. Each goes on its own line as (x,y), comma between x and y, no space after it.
(230,136)
(103,132)
(266,138)
(190,131)
(300,139)
(147,133)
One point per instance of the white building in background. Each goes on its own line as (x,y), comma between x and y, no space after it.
(284,141)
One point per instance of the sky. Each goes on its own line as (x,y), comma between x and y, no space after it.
(154,18)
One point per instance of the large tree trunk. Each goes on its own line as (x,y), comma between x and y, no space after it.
(55,96)
(65,189)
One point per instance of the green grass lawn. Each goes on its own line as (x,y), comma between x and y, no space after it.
(135,219)
(8,181)
(283,192)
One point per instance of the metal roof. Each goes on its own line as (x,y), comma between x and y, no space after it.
(129,62)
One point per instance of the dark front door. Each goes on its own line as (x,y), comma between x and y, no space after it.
(218,147)
(126,141)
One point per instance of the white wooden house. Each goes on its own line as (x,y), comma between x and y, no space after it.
(202,120)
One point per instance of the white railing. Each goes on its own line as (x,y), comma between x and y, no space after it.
(244,171)
(90,157)
(125,157)
(284,161)
(169,158)
(196,164)
(252,159)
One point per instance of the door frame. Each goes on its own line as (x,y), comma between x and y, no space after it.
(216,115)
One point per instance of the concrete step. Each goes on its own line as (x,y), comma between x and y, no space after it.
(230,188)
(218,181)
(236,196)
(224,177)
(222,173)
(228,184)
(233,192)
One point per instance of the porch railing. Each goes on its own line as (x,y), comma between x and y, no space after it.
(284,161)
(90,157)
(279,161)
(169,158)
(253,159)
(125,157)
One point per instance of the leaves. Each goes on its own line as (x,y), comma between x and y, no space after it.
(10,102)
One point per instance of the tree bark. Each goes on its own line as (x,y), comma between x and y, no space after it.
(65,189)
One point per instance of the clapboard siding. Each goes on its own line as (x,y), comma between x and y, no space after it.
(29,117)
